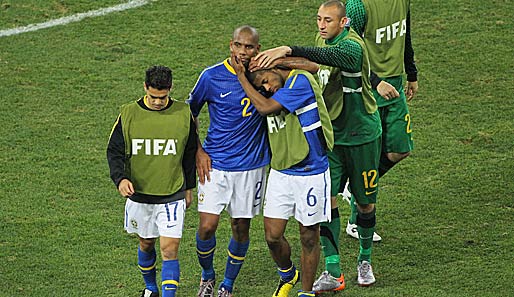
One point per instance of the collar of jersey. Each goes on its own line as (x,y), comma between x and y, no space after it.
(229,67)
(338,38)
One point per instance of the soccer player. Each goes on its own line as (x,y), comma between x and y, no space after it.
(151,156)
(385,28)
(344,76)
(231,164)
(300,132)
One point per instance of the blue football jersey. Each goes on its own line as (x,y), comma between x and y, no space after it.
(298,97)
(236,138)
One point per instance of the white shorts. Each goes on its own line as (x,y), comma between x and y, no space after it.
(155,220)
(238,192)
(307,198)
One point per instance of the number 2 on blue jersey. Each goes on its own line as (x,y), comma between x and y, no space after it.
(246,103)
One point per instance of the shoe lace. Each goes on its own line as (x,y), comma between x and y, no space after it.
(206,287)
(364,269)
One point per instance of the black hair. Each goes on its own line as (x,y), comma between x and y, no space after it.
(252,76)
(159,77)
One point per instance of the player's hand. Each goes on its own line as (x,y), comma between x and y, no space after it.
(254,64)
(266,58)
(411,89)
(189,197)
(203,165)
(236,63)
(126,188)
(387,90)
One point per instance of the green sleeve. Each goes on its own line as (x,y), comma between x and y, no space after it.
(356,12)
(346,55)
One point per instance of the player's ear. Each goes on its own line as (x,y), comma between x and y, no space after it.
(144,86)
(344,20)
(258,47)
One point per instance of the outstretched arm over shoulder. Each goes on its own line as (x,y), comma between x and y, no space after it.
(263,105)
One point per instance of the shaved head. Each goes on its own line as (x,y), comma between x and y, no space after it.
(247,30)
(341,9)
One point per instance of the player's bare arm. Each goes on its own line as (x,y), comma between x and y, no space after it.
(203,160)
(189,197)
(263,105)
(289,62)
(265,58)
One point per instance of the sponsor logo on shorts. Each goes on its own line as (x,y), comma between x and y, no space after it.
(369,193)
(171,226)
(311,214)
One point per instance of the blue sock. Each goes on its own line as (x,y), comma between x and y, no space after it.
(146,262)
(288,273)
(236,256)
(205,252)
(170,277)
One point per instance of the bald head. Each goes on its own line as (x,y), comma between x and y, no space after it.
(247,31)
(336,4)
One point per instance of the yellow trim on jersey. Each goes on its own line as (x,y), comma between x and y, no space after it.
(235,257)
(229,67)
(294,80)
(114,126)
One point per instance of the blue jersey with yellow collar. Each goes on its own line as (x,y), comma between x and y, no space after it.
(236,138)
(297,96)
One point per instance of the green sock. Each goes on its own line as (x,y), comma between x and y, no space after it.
(329,237)
(353,215)
(366,243)
(366,223)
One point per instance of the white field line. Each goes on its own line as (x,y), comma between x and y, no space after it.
(74,18)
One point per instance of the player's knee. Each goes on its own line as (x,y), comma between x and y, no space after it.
(147,244)
(310,239)
(366,219)
(397,157)
(272,238)
(169,254)
(241,229)
(206,230)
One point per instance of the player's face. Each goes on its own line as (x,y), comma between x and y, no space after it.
(245,46)
(157,99)
(269,80)
(330,24)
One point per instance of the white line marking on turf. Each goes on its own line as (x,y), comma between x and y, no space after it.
(74,18)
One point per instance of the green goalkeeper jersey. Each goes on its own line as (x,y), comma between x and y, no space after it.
(344,78)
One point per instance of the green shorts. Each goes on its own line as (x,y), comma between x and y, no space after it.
(396,127)
(359,164)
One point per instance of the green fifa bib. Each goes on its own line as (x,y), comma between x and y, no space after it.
(384,34)
(331,82)
(356,80)
(336,83)
(154,146)
(286,137)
